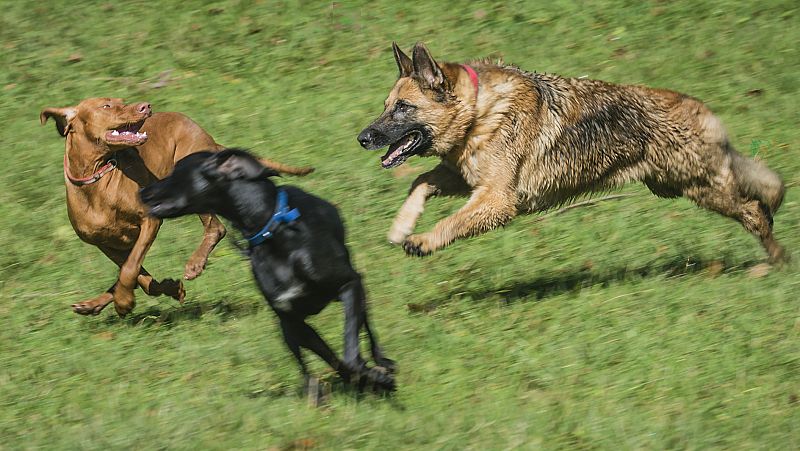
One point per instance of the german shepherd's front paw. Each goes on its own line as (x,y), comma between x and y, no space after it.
(418,245)
(397,235)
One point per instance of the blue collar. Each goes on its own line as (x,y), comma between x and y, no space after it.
(282,215)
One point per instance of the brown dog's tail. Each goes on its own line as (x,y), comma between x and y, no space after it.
(285,168)
(756,181)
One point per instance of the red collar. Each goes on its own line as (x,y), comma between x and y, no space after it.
(108,167)
(473,76)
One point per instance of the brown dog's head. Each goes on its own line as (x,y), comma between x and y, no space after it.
(105,121)
(424,113)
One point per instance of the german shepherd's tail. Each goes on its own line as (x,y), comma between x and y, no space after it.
(757,181)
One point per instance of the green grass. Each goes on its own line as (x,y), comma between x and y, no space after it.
(606,327)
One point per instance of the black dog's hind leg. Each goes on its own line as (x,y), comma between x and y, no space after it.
(355,316)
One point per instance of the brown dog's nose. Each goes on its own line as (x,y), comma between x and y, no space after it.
(143,108)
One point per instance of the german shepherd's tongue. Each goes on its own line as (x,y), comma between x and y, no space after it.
(397,151)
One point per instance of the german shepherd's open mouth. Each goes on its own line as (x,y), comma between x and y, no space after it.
(400,150)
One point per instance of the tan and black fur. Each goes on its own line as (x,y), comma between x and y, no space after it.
(527,142)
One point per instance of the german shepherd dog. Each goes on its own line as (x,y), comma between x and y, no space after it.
(520,142)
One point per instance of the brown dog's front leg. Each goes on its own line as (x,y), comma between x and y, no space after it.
(129,273)
(440,181)
(214,232)
(485,210)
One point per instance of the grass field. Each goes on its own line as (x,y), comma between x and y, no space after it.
(637,323)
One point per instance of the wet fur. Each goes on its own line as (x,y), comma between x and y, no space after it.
(529,142)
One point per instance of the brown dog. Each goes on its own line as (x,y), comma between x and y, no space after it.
(113,150)
(520,142)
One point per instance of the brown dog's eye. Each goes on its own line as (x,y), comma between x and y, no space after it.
(107,105)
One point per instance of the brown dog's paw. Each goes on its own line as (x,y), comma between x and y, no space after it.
(93,306)
(123,302)
(174,289)
(418,245)
(194,267)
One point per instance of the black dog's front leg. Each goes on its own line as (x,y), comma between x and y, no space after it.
(290,337)
(355,315)
(297,333)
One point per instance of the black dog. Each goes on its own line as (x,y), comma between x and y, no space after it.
(297,251)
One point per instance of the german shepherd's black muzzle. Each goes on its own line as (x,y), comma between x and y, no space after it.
(404,139)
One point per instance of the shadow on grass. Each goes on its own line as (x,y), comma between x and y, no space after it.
(326,385)
(574,279)
(166,315)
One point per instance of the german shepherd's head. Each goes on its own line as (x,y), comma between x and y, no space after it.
(425,113)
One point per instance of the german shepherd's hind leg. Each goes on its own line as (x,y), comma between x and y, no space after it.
(486,210)
(214,231)
(752,214)
(440,181)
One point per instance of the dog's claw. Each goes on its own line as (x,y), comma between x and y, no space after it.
(194,268)
(381,379)
(94,306)
(414,250)
(386,365)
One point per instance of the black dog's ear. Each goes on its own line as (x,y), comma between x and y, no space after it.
(233,167)
(426,69)
(62,116)
(403,61)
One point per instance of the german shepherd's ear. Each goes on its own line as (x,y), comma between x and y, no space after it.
(426,69)
(240,166)
(403,61)
(62,116)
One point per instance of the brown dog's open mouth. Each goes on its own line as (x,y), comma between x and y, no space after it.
(400,150)
(127,134)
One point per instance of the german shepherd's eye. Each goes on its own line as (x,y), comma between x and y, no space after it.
(403,107)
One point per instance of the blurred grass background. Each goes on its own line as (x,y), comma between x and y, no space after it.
(636,324)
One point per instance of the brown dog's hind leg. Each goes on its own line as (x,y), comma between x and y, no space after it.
(751,214)
(214,232)
(167,287)
(96,305)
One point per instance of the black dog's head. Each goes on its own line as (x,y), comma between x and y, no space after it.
(423,114)
(200,183)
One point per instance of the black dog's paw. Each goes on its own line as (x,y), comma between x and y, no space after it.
(385,364)
(380,379)
(416,246)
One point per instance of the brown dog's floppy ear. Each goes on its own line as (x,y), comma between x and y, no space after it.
(235,166)
(62,116)
(426,69)
(403,61)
